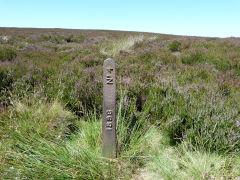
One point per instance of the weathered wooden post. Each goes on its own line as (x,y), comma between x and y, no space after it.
(109,109)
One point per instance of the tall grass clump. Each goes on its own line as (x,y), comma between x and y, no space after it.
(195,56)
(131,129)
(38,145)
(174,46)
(124,44)
(42,140)
(182,162)
(7,54)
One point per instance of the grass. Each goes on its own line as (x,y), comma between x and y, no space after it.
(38,141)
(182,162)
(122,45)
(177,113)
(7,54)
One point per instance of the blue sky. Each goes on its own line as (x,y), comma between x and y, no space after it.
(216,18)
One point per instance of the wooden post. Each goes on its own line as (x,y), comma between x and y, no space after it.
(109,109)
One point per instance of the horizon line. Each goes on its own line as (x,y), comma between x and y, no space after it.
(25,27)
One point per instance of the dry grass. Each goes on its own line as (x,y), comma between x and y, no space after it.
(124,44)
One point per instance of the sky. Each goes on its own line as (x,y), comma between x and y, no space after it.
(212,18)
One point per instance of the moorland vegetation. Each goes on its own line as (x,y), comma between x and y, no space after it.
(178,110)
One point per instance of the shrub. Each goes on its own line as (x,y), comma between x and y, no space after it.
(58,39)
(90,61)
(205,121)
(69,39)
(186,44)
(46,37)
(174,46)
(7,54)
(76,39)
(80,39)
(6,79)
(195,56)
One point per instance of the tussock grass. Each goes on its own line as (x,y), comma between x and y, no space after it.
(182,162)
(124,44)
(37,141)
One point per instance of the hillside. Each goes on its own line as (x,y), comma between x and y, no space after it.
(178,110)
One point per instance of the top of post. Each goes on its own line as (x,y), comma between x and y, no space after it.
(109,61)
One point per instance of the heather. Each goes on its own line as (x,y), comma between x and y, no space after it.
(177,105)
